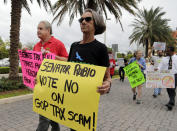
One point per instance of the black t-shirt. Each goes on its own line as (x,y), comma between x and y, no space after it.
(91,53)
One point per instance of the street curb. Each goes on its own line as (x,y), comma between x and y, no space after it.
(15,98)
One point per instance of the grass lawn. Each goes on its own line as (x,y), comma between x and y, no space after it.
(12,93)
(115,76)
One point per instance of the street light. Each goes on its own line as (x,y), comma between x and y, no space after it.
(105,31)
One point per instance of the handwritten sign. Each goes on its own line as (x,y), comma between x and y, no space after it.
(66,93)
(134,74)
(163,79)
(159,45)
(30,63)
(120,62)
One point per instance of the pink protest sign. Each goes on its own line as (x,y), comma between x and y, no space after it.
(30,63)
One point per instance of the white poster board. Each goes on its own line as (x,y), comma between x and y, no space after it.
(163,79)
(159,45)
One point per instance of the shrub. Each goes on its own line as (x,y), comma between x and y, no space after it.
(6,84)
(116,72)
(5,70)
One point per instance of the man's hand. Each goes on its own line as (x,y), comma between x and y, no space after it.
(25,48)
(45,52)
(104,88)
(61,58)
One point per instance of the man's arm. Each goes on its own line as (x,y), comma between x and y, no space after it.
(61,58)
(106,83)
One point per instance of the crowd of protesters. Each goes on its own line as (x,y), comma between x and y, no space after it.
(91,51)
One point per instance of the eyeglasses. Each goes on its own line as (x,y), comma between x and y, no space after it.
(87,19)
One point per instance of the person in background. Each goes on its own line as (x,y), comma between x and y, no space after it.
(170,63)
(121,70)
(112,63)
(49,44)
(157,60)
(89,50)
(142,64)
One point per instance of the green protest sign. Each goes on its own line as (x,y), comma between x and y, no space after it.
(134,74)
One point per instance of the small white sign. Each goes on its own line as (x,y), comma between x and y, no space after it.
(159,45)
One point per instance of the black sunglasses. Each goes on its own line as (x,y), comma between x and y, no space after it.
(87,19)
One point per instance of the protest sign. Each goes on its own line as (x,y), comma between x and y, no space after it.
(30,63)
(159,45)
(120,62)
(66,92)
(134,74)
(163,79)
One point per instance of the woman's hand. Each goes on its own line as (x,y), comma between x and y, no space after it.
(104,88)
(139,64)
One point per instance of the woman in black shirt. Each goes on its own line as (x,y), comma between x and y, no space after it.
(89,50)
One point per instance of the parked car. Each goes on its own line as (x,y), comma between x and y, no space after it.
(5,62)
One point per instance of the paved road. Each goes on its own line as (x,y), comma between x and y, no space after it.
(117,112)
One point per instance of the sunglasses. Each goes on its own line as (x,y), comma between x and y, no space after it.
(87,19)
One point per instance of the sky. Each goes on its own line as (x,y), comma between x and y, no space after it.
(69,34)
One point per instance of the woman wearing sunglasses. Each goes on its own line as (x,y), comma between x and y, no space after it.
(89,50)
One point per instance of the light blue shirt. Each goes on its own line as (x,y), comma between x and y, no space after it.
(141,61)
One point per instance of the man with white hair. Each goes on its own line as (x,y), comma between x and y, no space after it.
(48,44)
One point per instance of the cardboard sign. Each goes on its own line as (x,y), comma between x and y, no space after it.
(159,45)
(30,63)
(163,79)
(134,74)
(120,62)
(66,92)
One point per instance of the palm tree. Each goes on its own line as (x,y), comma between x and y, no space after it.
(16,10)
(73,7)
(150,27)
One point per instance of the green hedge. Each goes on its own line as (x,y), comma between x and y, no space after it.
(5,70)
(116,72)
(6,84)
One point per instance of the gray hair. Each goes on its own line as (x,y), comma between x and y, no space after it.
(47,25)
(138,51)
(100,26)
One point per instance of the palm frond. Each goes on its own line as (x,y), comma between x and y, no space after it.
(26,6)
(113,6)
(5,1)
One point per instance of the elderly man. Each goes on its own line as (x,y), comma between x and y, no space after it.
(170,63)
(89,50)
(47,44)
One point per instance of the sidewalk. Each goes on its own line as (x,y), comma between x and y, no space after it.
(6,75)
(117,112)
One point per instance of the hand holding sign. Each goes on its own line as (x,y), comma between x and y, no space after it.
(104,88)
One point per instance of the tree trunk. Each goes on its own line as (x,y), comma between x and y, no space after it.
(16,7)
(146,54)
(92,5)
(149,49)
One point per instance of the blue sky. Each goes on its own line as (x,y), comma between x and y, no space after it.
(69,34)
